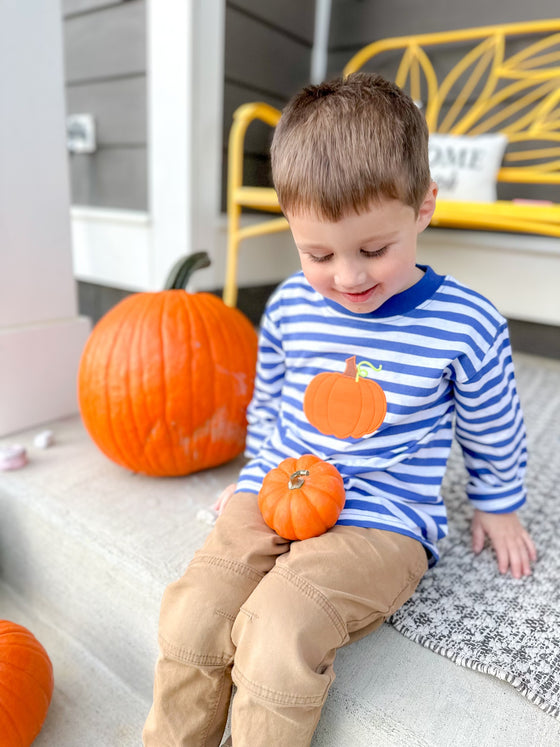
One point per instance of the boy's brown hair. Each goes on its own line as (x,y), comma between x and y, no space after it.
(345,144)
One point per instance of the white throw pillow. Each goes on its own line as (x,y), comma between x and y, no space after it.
(465,167)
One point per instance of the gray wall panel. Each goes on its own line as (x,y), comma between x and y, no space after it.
(94,300)
(267,58)
(112,178)
(294,16)
(105,58)
(262,57)
(355,23)
(119,108)
(110,42)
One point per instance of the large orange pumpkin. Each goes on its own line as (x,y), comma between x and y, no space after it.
(302,498)
(165,379)
(26,685)
(345,404)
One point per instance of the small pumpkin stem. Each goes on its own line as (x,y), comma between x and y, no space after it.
(296,479)
(182,270)
(351,369)
(356,371)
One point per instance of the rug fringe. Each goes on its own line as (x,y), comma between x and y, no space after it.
(478,666)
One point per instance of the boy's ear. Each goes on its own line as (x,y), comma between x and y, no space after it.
(427,208)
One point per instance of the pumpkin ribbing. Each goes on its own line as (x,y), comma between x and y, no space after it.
(164,382)
(26,685)
(302,498)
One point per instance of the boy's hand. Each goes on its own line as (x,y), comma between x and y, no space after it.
(512,544)
(224,498)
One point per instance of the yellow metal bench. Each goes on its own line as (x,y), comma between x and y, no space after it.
(506,79)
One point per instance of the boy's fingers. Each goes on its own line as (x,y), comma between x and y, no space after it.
(523,554)
(508,557)
(514,557)
(525,559)
(477,538)
(519,562)
(530,545)
(526,566)
(502,556)
(530,552)
(515,551)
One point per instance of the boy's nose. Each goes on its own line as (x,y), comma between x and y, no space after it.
(349,277)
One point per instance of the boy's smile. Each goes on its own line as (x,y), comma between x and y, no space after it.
(363,259)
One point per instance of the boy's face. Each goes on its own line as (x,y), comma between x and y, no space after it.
(362,260)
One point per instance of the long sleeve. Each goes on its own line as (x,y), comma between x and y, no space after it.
(491,432)
(263,410)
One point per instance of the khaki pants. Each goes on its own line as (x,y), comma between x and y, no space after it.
(269,615)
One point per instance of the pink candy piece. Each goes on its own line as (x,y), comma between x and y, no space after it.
(12,457)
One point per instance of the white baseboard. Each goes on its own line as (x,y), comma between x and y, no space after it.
(116,248)
(112,247)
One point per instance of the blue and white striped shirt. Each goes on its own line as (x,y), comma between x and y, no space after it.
(446,360)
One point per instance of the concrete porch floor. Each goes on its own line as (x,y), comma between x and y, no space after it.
(86,549)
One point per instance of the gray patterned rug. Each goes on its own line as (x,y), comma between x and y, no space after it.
(464,609)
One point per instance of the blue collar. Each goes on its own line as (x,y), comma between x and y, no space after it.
(401,303)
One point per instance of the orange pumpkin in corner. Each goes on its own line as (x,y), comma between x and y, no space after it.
(165,379)
(26,685)
(302,498)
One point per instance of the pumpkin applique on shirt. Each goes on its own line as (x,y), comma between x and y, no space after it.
(345,404)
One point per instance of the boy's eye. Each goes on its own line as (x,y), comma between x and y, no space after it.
(363,252)
(376,253)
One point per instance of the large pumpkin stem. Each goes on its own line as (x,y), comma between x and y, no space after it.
(182,270)
(296,479)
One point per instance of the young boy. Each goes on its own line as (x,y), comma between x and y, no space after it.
(350,165)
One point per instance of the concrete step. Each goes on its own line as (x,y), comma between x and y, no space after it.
(91,546)
(91,706)
(86,550)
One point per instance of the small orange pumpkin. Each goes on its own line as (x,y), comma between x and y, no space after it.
(346,404)
(302,498)
(26,685)
(165,379)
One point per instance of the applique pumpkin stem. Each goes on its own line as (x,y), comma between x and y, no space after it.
(355,371)
(351,368)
